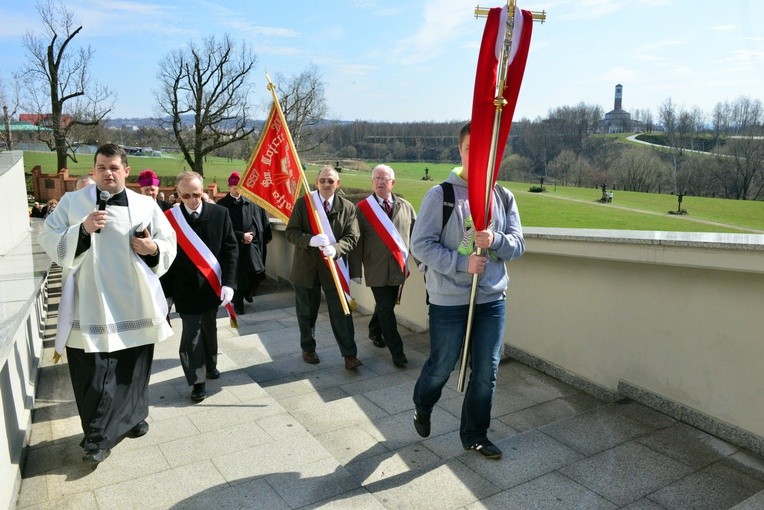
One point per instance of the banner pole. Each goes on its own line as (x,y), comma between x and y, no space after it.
(499,103)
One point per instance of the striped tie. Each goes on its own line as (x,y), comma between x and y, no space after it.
(388,208)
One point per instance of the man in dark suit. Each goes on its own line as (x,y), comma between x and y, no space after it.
(253,230)
(310,272)
(205,235)
(385,221)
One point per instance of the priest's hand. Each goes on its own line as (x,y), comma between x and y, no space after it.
(144,245)
(247,238)
(226,295)
(319,240)
(94,221)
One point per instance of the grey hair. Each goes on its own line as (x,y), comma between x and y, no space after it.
(385,168)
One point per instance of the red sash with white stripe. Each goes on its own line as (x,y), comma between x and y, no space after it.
(199,254)
(385,229)
(342,268)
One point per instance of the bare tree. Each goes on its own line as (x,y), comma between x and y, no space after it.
(57,81)
(741,163)
(303,101)
(640,169)
(204,97)
(10,100)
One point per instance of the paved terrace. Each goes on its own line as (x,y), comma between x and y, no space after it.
(277,433)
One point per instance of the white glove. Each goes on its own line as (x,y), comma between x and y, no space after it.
(226,295)
(329,251)
(357,279)
(319,240)
(421,267)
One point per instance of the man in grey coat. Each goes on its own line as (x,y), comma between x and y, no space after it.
(385,221)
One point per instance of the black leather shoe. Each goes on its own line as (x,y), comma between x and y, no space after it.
(199,393)
(422,423)
(139,430)
(213,374)
(399,359)
(96,456)
(239,309)
(248,298)
(378,341)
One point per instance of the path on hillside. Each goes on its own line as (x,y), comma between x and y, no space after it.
(633,209)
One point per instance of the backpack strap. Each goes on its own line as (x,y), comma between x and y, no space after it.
(448,202)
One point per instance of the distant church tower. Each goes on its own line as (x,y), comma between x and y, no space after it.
(617,120)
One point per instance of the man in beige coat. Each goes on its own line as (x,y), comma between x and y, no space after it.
(310,272)
(385,221)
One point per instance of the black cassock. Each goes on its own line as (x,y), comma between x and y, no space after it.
(247,216)
(111,391)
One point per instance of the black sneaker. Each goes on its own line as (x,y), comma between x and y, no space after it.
(422,423)
(487,449)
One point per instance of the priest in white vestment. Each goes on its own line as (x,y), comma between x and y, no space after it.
(112,309)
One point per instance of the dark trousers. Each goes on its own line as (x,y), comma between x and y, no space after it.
(199,345)
(111,391)
(383,322)
(307,301)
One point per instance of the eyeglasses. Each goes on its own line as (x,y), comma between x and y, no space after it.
(187,196)
(326,181)
(382,179)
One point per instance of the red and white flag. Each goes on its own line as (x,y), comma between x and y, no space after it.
(273,175)
(483,108)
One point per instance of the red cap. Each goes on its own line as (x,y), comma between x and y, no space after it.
(148,178)
(234,179)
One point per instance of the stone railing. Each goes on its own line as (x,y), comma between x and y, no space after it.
(23,274)
(673,320)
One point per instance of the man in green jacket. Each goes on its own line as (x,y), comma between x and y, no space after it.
(310,272)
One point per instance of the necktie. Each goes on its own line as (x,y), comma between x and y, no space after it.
(388,208)
(194,215)
(326,206)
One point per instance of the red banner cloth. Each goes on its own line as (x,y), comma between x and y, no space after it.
(483,108)
(272,176)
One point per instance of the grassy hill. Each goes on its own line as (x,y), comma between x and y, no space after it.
(565,207)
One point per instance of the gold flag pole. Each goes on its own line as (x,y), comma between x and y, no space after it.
(499,102)
(311,207)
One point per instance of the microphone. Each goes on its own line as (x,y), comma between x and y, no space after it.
(105,196)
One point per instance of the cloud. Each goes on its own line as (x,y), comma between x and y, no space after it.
(723,28)
(260,30)
(443,20)
(375,7)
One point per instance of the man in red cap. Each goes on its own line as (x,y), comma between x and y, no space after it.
(149,183)
(253,231)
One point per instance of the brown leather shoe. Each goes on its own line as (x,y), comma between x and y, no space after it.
(310,357)
(351,362)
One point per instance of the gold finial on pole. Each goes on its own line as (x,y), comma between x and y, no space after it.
(482,12)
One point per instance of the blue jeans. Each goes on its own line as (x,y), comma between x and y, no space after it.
(448,325)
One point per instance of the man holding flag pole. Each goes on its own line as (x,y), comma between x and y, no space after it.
(334,239)
(465,246)
(321,225)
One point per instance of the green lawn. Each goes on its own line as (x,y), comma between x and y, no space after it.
(561,207)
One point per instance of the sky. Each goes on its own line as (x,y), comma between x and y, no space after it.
(414,60)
